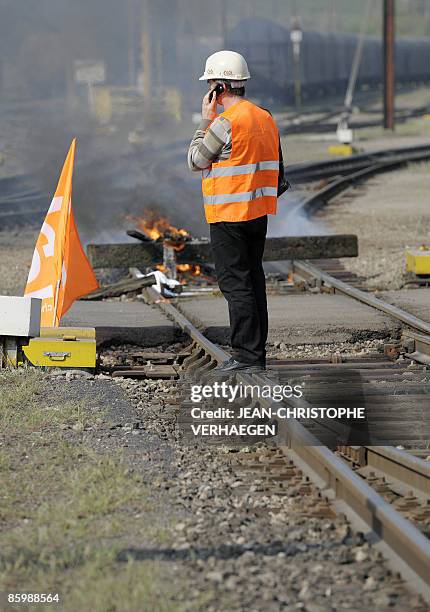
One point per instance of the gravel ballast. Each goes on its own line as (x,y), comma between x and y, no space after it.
(238,548)
(390,214)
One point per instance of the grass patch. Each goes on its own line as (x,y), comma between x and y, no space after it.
(25,409)
(65,510)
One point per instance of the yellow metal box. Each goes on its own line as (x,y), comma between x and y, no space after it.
(341,149)
(418,261)
(63,347)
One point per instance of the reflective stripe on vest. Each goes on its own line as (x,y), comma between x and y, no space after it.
(245,186)
(237,170)
(245,196)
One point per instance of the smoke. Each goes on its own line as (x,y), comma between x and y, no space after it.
(132,124)
(291,220)
(121,77)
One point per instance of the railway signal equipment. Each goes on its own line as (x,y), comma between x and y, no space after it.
(296,36)
(90,73)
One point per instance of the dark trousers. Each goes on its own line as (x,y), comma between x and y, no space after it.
(238,255)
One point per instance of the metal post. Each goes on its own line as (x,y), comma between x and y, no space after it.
(90,96)
(224,23)
(296,39)
(389,65)
(131,14)
(169,260)
(297,80)
(344,134)
(146,50)
(357,57)
(332,16)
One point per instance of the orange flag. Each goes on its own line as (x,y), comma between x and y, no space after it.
(60,273)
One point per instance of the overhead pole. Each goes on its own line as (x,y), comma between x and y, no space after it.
(296,36)
(131,24)
(146,50)
(344,134)
(389,64)
(357,57)
(332,18)
(224,23)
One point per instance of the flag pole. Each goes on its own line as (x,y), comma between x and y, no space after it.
(57,293)
(66,224)
(58,285)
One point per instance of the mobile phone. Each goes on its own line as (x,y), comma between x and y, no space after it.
(218,90)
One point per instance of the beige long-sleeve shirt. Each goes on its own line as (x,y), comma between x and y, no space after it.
(210,144)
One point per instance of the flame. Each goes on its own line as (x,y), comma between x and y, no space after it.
(156,226)
(194,269)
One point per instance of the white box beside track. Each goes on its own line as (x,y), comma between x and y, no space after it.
(20,316)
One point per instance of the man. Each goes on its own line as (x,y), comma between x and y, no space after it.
(238,152)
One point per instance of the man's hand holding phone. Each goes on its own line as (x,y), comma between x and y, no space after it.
(209,106)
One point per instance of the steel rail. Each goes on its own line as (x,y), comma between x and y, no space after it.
(299,122)
(314,202)
(401,466)
(311,204)
(323,126)
(314,171)
(317,200)
(17,191)
(409,547)
(217,353)
(361,296)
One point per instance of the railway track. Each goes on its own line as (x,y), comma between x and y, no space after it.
(349,168)
(324,119)
(381,489)
(326,122)
(21,204)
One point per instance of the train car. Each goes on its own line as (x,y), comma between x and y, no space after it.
(325,60)
(418,60)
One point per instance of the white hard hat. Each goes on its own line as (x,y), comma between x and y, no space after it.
(227,65)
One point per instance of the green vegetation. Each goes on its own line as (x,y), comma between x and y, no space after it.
(66,511)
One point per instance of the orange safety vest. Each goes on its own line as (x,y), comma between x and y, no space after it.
(245,186)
